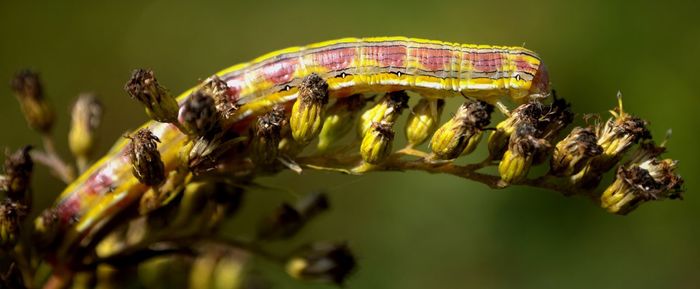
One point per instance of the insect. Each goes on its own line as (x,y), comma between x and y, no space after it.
(349,66)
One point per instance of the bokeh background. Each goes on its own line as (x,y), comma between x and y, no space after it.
(410,230)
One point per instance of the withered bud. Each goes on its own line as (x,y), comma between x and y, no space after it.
(453,138)
(532,113)
(424,119)
(377,142)
(30,94)
(557,116)
(339,120)
(651,180)
(285,222)
(198,114)
(146,164)
(18,174)
(219,90)
(307,112)
(573,152)
(322,262)
(267,135)
(86,118)
(388,109)
(45,228)
(160,105)
(312,204)
(11,216)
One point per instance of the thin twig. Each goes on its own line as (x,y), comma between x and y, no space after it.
(50,158)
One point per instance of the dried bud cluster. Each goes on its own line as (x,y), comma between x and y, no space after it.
(86,118)
(307,112)
(18,173)
(219,91)
(11,215)
(573,152)
(30,94)
(324,262)
(522,149)
(146,164)
(287,220)
(462,132)
(144,87)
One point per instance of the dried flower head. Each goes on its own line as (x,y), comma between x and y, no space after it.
(339,120)
(146,164)
(637,183)
(30,94)
(453,138)
(160,105)
(387,110)
(86,118)
(376,144)
(267,135)
(46,228)
(219,90)
(307,112)
(423,120)
(18,173)
(573,152)
(198,114)
(322,262)
(11,215)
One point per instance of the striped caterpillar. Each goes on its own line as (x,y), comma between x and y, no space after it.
(348,67)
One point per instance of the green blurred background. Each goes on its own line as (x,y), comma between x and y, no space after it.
(409,230)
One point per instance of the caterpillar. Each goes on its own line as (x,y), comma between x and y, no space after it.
(349,66)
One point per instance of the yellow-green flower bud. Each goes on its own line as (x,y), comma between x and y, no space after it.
(218,266)
(573,152)
(143,153)
(11,215)
(650,180)
(30,94)
(160,105)
(498,140)
(45,228)
(388,109)
(424,119)
(473,143)
(86,118)
(322,262)
(377,142)
(452,139)
(266,137)
(522,147)
(339,120)
(18,173)
(198,114)
(307,111)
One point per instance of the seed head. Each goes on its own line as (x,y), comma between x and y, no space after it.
(388,109)
(86,118)
(340,118)
(18,174)
(30,94)
(573,152)
(307,112)
(376,144)
(146,164)
(198,114)
(160,105)
(454,137)
(322,262)
(424,119)
(11,216)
